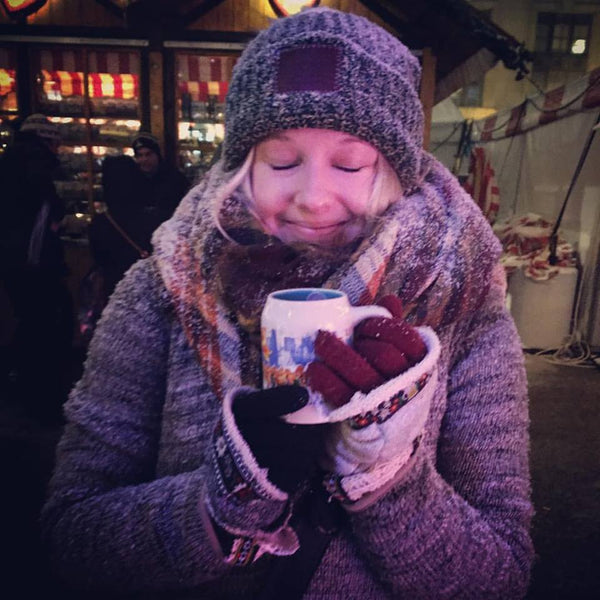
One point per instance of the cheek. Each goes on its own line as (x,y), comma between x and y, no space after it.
(264,205)
(269,192)
(358,197)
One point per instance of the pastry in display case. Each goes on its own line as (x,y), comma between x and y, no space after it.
(8,96)
(6,132)
(84,145)
(201,89)
(93,95)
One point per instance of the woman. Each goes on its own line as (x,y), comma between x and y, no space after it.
(174,477)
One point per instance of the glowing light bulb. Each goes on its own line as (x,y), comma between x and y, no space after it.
(578,47)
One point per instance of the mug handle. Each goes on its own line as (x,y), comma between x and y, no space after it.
(359,313)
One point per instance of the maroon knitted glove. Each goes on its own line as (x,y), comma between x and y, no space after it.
(383,348)
(395,332)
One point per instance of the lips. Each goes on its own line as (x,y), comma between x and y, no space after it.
(313,233)
(316,227)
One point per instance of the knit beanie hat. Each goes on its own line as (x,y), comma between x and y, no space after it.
(146,140)
(326,69)
(41,126)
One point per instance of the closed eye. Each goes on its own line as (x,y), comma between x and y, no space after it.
(283,167)
(349,169)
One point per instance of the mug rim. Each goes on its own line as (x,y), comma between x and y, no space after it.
(332,293)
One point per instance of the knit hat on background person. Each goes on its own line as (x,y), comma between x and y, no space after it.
(327,69)
(41,126)
(145,139)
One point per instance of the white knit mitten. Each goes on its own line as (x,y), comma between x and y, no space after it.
(375,434)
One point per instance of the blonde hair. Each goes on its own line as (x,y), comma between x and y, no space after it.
(241,179)
(385,191)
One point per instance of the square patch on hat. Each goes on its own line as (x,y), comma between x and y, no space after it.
(310,68)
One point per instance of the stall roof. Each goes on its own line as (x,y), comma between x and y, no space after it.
(465,42)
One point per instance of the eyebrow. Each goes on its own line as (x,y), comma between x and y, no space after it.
(281,135)
(278,135)
(353,140)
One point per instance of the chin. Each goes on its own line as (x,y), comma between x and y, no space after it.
(337,239)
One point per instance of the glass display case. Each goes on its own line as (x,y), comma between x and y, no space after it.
(93,95)
(9,109)
(202,83)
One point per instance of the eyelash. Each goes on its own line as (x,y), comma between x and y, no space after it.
(287,167)
(283,167)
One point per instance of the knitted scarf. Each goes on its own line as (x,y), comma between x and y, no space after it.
(433,248)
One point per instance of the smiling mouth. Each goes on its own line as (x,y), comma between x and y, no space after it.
(315,228)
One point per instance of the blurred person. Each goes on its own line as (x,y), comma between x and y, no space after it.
(163,186)
(138,195)
(121,233)
(33,266)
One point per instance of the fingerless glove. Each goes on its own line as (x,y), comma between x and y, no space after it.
(257,460)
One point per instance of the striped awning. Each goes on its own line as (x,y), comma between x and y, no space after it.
(98,61)
(192,67)
(100,85)
(200,91)
(204,76)
(563,101)
(7,81)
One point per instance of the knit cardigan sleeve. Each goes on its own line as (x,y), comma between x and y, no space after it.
(457,525)
(110,523)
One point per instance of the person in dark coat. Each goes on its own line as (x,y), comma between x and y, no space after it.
(31,208)
(163,185)
(139,195)
(121,234)
(33,267)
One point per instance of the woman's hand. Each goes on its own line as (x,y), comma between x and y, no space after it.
(383,348)
(289,452)
(384,384)
(258,460)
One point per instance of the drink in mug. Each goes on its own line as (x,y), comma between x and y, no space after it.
(290,322)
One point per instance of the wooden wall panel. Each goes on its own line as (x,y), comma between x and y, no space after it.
(82,13)
(356,7)
(230,15)
(157,121)
(254,15)
(427,92)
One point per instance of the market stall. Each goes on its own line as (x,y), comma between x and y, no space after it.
(94,96)
(8,94)
(202,83)
(544,152)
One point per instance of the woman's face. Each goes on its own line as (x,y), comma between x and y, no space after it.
(313,185)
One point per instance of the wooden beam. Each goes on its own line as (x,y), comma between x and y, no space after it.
(199,11)
(112,8)
(390,15)
(156,81)
(427,92)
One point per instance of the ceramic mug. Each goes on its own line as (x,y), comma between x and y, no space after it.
(289,325)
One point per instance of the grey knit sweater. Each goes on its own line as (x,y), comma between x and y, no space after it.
(126,511)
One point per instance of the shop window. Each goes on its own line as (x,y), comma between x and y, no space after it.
(202,83)
(562,33)
(561,48)
(8,95)
(94,96)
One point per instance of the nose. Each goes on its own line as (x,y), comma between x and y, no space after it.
(314,193)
